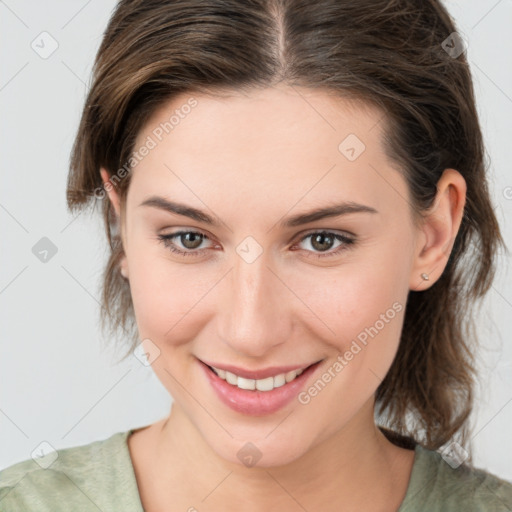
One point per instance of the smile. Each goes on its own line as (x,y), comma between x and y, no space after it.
(267,384)
(270,391)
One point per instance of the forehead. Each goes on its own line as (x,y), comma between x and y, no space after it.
(276,145)
(293,113)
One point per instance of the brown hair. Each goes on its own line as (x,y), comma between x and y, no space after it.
(389,53)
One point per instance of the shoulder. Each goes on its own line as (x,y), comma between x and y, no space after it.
(437,484)
(83,477)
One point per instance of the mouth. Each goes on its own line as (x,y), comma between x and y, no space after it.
(258,397)
(275,380)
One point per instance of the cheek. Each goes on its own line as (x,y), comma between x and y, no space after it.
(352,296)
(366,313)
(164,293)
(363,308)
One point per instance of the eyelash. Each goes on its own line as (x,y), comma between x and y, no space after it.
(348,243)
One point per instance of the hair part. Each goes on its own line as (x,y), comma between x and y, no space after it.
(387,53)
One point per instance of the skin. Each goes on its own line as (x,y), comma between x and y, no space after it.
(252,159)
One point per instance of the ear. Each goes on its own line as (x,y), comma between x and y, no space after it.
(111,191)
(116,203)
(439,230)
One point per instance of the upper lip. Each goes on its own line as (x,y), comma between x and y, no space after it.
(257,374)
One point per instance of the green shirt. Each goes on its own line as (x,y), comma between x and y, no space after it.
(100,477)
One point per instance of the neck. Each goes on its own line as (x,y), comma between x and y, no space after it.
(344,466)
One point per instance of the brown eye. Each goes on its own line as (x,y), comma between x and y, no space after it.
(191,240)
(323,241)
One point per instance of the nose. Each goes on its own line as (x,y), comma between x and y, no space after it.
(256,315)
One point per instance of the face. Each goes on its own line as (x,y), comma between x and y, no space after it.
(253,289)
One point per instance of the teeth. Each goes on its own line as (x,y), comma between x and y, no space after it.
(267,384)
(231,378)
(279,380)
(246,383)
(263,384)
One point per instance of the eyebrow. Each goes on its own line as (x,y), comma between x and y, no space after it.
(337,210)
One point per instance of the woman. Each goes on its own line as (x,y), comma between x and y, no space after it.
(289,189)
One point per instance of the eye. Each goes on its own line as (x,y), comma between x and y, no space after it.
(190,243)
(320,241)
(323,240)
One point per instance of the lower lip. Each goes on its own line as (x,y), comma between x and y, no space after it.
(254,402)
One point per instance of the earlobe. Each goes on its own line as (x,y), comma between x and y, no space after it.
(439,231)
(111,191)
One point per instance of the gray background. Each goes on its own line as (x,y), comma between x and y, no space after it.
(57,383)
